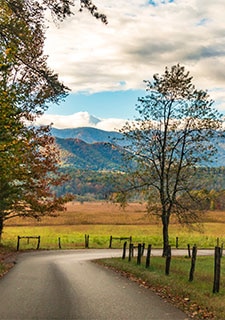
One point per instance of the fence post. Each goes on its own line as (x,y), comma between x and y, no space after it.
(39,240)
(193,260)
(124,250)
(86,241)
(59,242)
(18,243)
(139,253)
(217,262)
(148,256)
(177,242)
(189,251)
(168,260)
(130,251)
(110,242)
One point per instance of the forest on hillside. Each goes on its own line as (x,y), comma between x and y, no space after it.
(89,185)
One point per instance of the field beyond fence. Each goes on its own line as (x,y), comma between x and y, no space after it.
(100,220)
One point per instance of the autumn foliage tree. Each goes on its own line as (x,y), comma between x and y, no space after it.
(28,156)
(172,136)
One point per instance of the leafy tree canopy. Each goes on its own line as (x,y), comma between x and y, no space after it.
(28,156)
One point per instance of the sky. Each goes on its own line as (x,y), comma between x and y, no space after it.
(105,65)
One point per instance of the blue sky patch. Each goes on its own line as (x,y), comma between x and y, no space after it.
(202,22)
(155,3)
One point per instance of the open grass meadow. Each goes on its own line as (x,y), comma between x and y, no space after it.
(100,220)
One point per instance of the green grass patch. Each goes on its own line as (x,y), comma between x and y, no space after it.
(72,236)
(195,298)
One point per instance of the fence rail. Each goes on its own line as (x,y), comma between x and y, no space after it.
(28,240)
(118,238)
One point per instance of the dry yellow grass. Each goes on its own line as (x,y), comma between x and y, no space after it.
(92,213)
(106,213)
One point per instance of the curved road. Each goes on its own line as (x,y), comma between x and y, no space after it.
(67,285)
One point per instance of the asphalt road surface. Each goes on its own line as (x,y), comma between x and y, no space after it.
(67,285)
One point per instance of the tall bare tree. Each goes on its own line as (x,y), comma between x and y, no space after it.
(172,136)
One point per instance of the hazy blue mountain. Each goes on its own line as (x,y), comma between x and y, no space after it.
(87,134)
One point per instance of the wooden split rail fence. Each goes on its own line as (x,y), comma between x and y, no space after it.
(28,240)
(118,238)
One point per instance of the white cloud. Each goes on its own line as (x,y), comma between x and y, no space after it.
(80,119)
(140,40)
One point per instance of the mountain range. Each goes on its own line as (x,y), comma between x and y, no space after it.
(87,134)
(78,154)
(94,149)
(89,148)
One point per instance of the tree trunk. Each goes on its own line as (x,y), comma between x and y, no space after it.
(1,228)
(165,223)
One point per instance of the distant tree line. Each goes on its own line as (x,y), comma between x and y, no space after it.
(99,185)
(89,184)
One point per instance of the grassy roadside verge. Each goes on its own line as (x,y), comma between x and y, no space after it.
(194,298)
